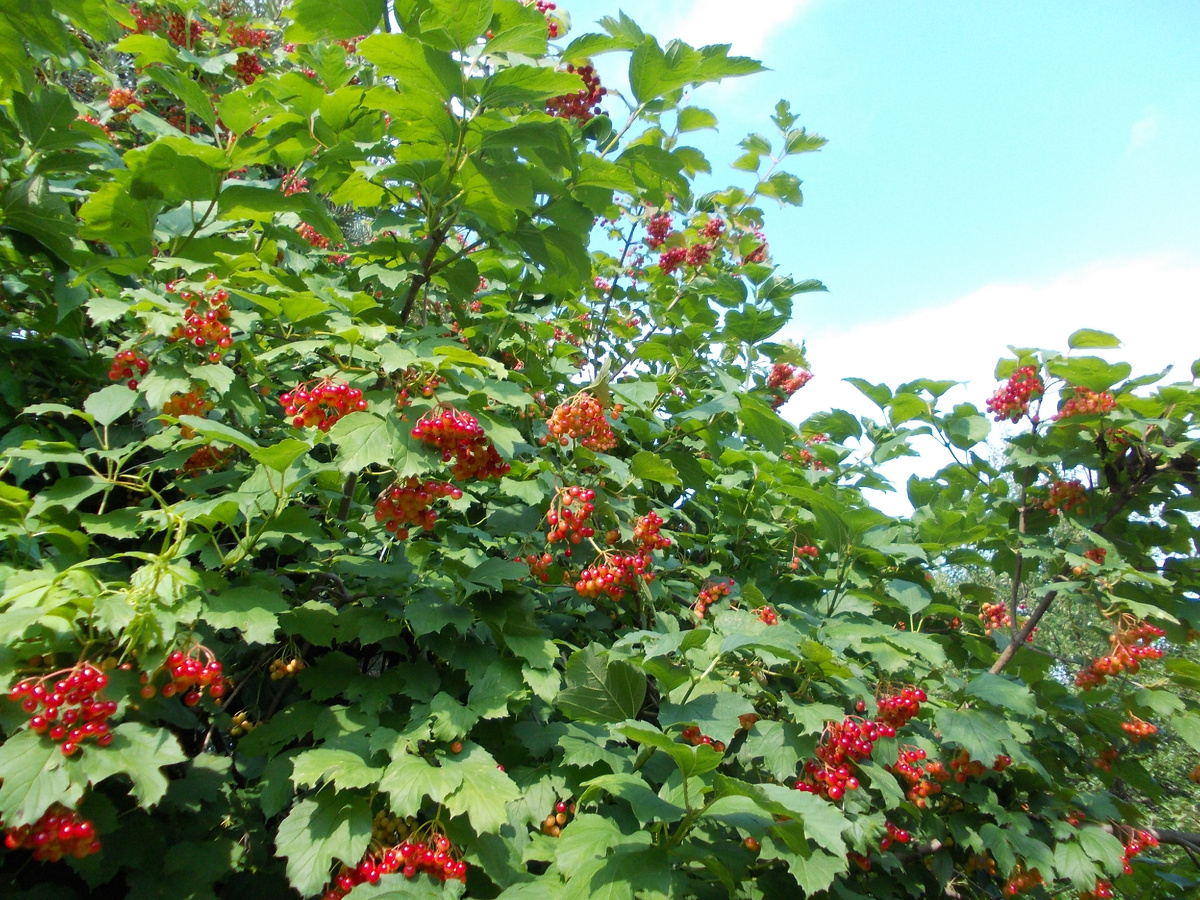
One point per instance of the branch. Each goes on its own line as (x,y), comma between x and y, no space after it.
(1189,840)
(1011,650)
(436,239)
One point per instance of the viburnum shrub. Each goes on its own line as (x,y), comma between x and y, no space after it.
(396,500)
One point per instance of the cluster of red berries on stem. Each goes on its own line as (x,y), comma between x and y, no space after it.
(538,565)
(964,767)
(657,229)
(1086,402)
(798,553)
(911,766)
(569,512)
(710,594)
(1138,842)
(120,98)
(59,832)
(193,403)
(434,855)
(546,8)
(583,419)
(611,575)
(894,833)
(461,438)
(784,380)
(407,503)
(66,706)
(1130,645)
(123,367)
(841,745)
(183,30)
(205,328)
(897,709)
(692,735)
(247,68)
(191,674)
(1108,756)
(205,458)
(245,36)
(1012,401)
(1065,496)
(1138,729)
(1021,880)
(582,105)
(321,405)
(315,238)
(767,615)
(995,618)
(554,822)
(1102,891)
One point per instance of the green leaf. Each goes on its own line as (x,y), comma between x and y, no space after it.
(912,596)
(692,761)
(879,394)
(1187,726)
(253,611)
(139,752)
(343,768)
(459,21)
(111,215)
(978,732)
(1086,337)
(646,804)
(693,118)
(318,831)
(1089,371)
(762,423)
(45,119)
(418,69)
(364,439)
(35,776)
(408,779)
(177,169)
(110,403)
(651,467)
(1003,694)
(190,92)
(333,20)
(521,85)
(484,791)
(599,689)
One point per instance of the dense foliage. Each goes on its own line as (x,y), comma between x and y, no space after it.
(396,500)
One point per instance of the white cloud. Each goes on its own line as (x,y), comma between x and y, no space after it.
(1151,304)
(699,22)
(1144,130)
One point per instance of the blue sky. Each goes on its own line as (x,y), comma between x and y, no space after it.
(996,174)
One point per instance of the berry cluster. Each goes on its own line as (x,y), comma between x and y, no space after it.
(1021,880)
(292,185)
(1132,643)
(1102,891)
(1138,729)
(582,105)
(144,22)
(123,365)
(281,669)
(120,98)
(784,380)
(247,68)
(538,565)
(546,8)
(713,228)
(1096,555)
(193,403)
(1012,401)
(460,437)
(552,825)
(1139,841)
(1108,756)
(611,576)
(204,329)
(964,767)
(66,706)
(1085,402)
(435,856)
(646,531)
(1065,496)
(183,30)
(407,502)
(692,735)
(798,552)
(321,405)
(995,618)
(583,418)
(657,229)
(896,710)
(911,766)
(191,674)
(841,745)
(767,616)
(710,594)
(314,237)
(245,36)
(568,522)
(205,458)
(242,724)
(60,832)
(894,833)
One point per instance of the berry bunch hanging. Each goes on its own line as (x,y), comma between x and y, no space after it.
(583,419)
(1131,643)
(1138,729)
(1021,880)
(190,674)
(460,438)
(1012,400)
(322,404)
(59,832)
(784,380)
(204,328)
(898,709)
(554,822)
(193,403)
(123,367)
(710,594)
(407,503)
(800,552)
(569,512)
(1065,496)
(1086,402)
(841,745)
(767,615)
(693,736)
(584,104)
(67,707)
(120,98)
